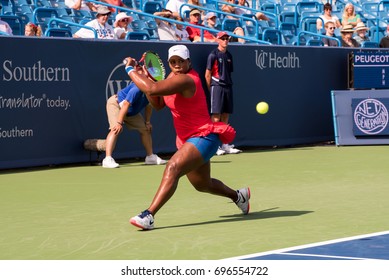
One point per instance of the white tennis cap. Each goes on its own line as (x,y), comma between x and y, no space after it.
(179,50)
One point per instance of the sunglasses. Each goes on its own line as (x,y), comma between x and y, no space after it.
(331,28)
(124,20)
(224,38)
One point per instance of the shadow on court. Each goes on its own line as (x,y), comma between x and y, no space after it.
(259,215)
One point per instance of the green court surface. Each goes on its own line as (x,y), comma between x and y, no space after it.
(299,195)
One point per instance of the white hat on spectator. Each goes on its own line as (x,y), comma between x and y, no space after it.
(361,26)
(121,16)
(102,10)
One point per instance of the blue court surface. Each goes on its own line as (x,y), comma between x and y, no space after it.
(363,247)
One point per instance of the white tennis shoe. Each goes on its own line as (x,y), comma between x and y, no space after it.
(109,162)
(230,149)
(154,160)
(243,201)
(144,220)
(220,151)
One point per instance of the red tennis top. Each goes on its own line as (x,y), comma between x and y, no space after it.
(191,117)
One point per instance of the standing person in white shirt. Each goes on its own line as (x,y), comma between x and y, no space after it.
(122,20)
(80,5)
(100,24)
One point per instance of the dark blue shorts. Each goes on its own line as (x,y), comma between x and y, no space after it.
(221,99)
(207,145)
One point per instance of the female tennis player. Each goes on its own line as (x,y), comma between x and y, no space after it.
(198,138)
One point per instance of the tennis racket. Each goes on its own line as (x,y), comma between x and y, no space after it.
(152,64)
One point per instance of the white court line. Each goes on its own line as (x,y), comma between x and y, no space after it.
(280,251)
(325,256)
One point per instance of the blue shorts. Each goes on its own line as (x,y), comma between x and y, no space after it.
(221,99)
(207,145)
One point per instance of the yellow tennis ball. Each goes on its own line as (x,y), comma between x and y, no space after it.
(262,107)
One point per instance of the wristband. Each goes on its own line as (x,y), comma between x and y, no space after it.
(129,69)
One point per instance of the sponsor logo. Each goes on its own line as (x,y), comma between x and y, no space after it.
(38,72)
(372,58)
(117,80)
(265,60)
(371,116)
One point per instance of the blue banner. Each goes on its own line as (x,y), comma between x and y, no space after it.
(370,69)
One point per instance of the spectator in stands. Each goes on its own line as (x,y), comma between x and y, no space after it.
(241,11)
(219,82)
(327,16)
(31,29)
(81,5)
(330,31)
(166,29)
(175,6)
(195,33)
(211,22)
(181,31)
(4,26)
(100,24)
(330,27)
(349,16)
(122,20)
(347,37)
(384,42)
(361,36)
(125,109)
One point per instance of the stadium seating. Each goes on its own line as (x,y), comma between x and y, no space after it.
(138,35)
(151,7)
(58,32)
(230,24)
(288,17)
(315,42)
(368,44)
(273,36)
(289,32)
(138,25)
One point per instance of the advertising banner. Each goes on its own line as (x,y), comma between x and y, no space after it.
(370,69)
(361,117)
(370,116)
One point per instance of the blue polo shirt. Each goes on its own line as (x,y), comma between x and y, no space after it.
(221,66)
(135,97)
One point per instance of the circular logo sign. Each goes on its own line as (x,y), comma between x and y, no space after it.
(371,116)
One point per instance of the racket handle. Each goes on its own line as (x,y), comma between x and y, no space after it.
(125,61)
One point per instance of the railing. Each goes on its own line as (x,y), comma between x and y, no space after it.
(52,20)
